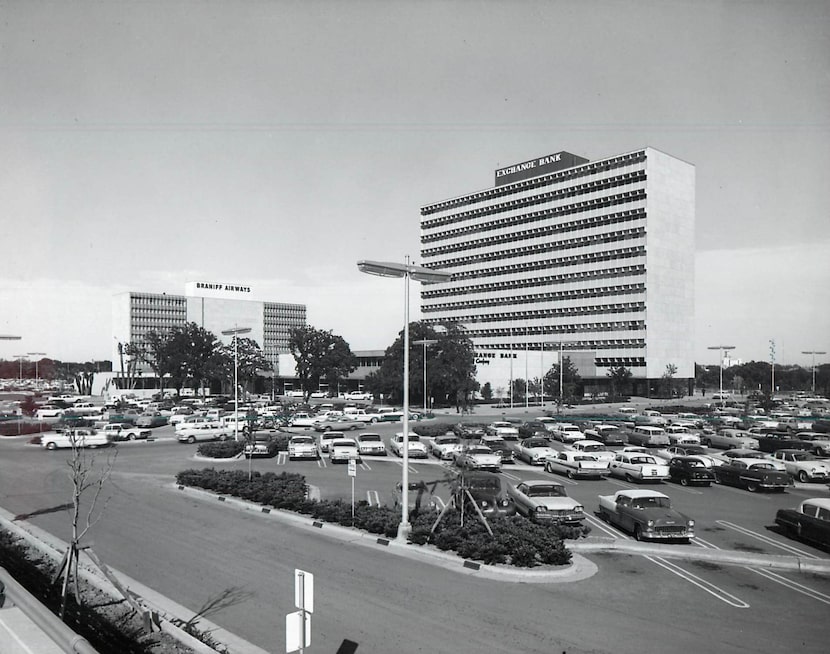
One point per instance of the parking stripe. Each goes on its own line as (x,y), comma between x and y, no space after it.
(710,588)
(793,585)
(766,539)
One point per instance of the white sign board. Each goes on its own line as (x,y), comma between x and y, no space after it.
(304,590)
(295,639)
(352,468)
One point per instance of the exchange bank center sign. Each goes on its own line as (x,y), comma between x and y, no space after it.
(222,290)
(539,166)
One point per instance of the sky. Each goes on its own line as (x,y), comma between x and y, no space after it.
(274,144)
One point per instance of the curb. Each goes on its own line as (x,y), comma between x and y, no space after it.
(164,607)
(580,567)
(801,564)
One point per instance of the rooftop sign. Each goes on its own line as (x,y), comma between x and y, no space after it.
(216,289)
(539,166)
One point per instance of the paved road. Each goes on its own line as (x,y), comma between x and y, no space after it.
(193,550)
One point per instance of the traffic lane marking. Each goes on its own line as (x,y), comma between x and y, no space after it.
(675,569)
(373,498)
(766,539)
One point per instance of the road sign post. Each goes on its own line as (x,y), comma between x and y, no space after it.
(298,624)
(352,474)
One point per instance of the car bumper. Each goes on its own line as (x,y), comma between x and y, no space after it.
(373,452)
(303,455)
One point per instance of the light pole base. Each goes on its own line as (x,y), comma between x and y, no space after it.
(404,529)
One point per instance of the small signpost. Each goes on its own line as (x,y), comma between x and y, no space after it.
(352,474)
(298,624)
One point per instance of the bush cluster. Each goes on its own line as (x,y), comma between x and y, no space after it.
(432,430)
(221,450)
(515,541)
(14,428)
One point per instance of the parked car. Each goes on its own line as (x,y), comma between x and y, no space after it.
(534,451)
(606,434)
(681,435)
(635,466)
(49,412)
(327,437)
(595,449)
(500,447)
(358,395)
(90,438)
(575,464)
(820,442)
(646,514)
(478,457)
(532,428)
(416,449)
(154,419)
(206,431)
(338,423)
(809,522)
(507,430)
(752,474)
(730,439)
(125,432)
(772,441)
(304,419)
(545,501)
(803,466)
(690,470)
(445,447)
(303,447)
(469,430)
(567,432)
(486,490)
(370,444)
(343,449)
(726,457)
(648,436)
(696,451)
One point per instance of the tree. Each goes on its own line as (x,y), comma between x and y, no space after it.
(570,379)
(519,389)
(450,367)
(620,379)
(249,359)
(668,380)
(319,354)
(160,355)
(133,354)
(487,392)
(191,353)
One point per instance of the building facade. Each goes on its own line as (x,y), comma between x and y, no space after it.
(593,259)
(216,307)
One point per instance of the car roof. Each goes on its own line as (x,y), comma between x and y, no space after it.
(541,482)
(633,493)
(585,442)
(822,502)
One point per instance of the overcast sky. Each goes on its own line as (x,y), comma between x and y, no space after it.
(273,144)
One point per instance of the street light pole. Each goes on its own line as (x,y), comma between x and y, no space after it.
(723,350)
(406,271)
(37,362)
(814,353)
(20,358)
(235,332)
(425,342)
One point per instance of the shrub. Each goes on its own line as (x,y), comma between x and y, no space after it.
(433,429)
(16,428)
(226,450)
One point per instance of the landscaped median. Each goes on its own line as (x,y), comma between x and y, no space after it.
(515,541)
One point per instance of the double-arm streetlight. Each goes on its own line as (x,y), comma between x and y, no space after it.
(37,363)
(426,342)
(814,353)
(21,358)
(723,350)
(235,332)
(428,276)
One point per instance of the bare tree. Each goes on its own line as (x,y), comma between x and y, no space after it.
(84,477)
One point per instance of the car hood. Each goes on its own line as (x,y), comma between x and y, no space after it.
(556,503)
(664,516)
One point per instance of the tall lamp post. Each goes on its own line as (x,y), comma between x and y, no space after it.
(235,332)
(814,353)
(426,342)
(420,274)
(723,350)
(20,358)
(37,363)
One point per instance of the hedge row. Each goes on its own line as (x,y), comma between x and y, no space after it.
(515,541)
(230,449)
(16,428)
(433,429)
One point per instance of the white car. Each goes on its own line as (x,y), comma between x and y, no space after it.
(326,439)
(207,431)
(534,451)
(370,444)
(445,447)
(680,435)
(695,451)
(803,466)
(507,430)
(195,421)
(478,457)
(416,449)
(75,438)
(575,464)
(358,395)
(595,449)
(343,449)
(634,466)
(567,432)
(303,447)
(730,439)
(49,412)
(724,458)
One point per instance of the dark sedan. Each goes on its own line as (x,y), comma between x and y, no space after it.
(752,474)
(688,470)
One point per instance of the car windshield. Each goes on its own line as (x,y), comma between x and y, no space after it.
(651,502)
(536,442)
(593,448)
(546,491)
(642,459)
(303,440)
(804,456)
(762,466)
(484,483)
(447,440)
(370,437)
(478,450)
(694,463)
(584,457)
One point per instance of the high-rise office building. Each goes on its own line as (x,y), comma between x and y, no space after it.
(591,258)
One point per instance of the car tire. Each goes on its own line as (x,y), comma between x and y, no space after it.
(373,420)
(684,481)
(638,534)
(51,446)
(752,487)
(131,437)
(803,477)
(629,478)
(571,474)
(191,439)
